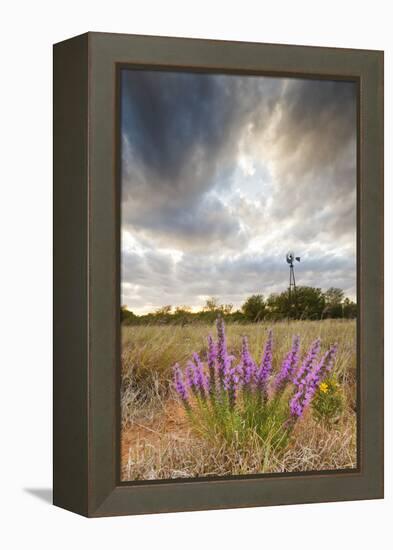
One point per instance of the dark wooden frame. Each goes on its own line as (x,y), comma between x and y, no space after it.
(86,275)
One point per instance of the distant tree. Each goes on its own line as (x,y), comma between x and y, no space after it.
(333,303)
(308,303)
(238,317)
(212,304)
(311,303)
(271,307)
(349,309)
(127,317)
(182,315)
(334,296)
(162,311)
(182,309)
(254,308)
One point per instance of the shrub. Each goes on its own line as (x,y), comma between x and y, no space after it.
(328,401)
(236,399)
(254,308)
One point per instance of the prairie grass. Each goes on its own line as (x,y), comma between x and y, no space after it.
(159,442)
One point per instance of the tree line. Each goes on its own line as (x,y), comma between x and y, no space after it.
(308,303)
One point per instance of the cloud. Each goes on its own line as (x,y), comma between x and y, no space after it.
(222,174)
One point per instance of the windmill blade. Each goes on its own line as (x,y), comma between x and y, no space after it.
(290,257)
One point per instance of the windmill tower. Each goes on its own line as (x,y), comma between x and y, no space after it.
(290,257)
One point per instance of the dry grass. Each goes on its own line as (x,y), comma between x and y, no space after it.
(157,441)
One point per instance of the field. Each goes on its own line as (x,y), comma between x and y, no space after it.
(159,442)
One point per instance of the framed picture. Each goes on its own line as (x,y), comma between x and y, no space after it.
(218,274)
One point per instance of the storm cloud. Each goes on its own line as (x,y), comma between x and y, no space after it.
(222,174)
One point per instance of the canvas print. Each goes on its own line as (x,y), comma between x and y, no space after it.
(238,274)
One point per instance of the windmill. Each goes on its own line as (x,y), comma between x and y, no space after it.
(290,257)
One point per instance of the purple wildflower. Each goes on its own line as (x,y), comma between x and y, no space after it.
(265,368)
(179,384)
(295,405)
(288,366)
(248,364)
(307,387)
(301,400)
(308,363)
(224,361)
(221,350)
(322,368)
(232,382)
(211,363)
(200,376)
(195,376)
(191,377)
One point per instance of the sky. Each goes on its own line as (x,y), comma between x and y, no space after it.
(222,175)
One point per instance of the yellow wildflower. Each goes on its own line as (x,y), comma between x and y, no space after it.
(324,387)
